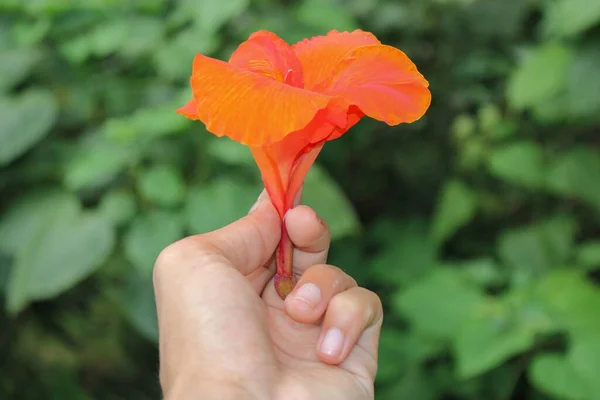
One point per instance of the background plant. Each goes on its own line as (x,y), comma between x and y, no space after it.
(478,226)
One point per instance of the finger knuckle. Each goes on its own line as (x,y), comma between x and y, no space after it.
(173,255)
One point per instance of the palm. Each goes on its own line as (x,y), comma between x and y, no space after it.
(294,346)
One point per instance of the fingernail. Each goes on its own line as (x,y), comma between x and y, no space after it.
(332,342)
(260,199)
(307,296)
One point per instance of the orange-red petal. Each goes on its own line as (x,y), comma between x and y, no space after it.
(190,110)
(320,55)
(267,54)
(383,83)
(247,107)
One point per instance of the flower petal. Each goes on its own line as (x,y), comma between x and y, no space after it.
(190,110)
(383,83)
(320,55)
(250,108)
(267,54)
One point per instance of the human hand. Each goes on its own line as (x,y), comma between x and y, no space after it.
(224,333)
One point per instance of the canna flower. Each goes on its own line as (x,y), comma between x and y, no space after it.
(284,102)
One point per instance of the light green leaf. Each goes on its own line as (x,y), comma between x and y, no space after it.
(24,121)
(588,255)
(325,15)
(571,17)
(326,197)
(584,356)
(163,185)
(541,76)
(488,339)
(456,207)
(521,163)
(118,206)
(555,376)
(536,248)
(439,304)
(65,250)
(583,83)
(230,152)
(219,203)
(576,173)
(210,15)
(15,65)
(22,221)
(573,301)
(148,235)
(173,58)
(97,161)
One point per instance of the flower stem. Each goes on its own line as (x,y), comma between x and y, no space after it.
(285,280)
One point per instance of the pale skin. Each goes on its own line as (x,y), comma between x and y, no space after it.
(225,333)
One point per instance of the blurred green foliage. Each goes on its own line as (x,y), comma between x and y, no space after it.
(478,225)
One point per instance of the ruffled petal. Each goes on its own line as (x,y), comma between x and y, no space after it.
(267,54)
(250,108)
(320,55)
(383,83)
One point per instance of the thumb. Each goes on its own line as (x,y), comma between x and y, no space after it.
(249,242)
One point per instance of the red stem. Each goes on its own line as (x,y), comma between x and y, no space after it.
(285,280)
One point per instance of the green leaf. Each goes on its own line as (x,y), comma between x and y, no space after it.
(584,356)
(583,84)
(408,255)
(24,121)
(211,15)
(230,152)
(163,185)
(138,303)
(15,65)
(487,340)
(148,235)
(118,206)
(97,161)
(23,220)
(439,304)
(536,248)
(588,255)
(521,163)
(399,351)
(571,17)
(64,250)
(576,173)
(456,207)
(555,376)
(325,15)
(327,198)
(573,302)
(218,203)
(173,58)
(541,76)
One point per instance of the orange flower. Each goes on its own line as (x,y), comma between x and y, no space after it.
(285,102)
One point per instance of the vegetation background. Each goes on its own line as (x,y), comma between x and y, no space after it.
(479,226)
